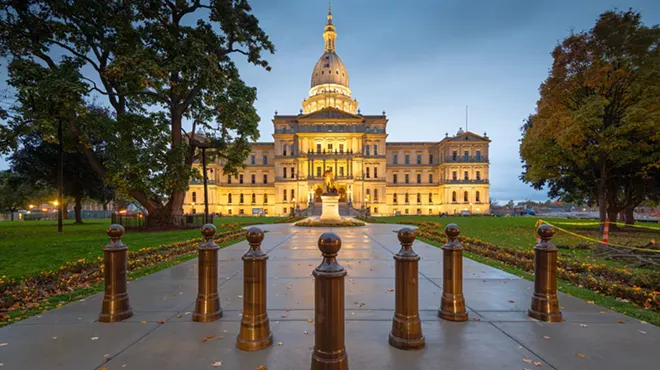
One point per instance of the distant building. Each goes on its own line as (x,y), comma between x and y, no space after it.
(429,177)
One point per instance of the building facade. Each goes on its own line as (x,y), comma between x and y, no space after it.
(431,177)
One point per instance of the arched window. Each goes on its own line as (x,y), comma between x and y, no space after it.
(293,194)
(240,198)
(228,198)
(194,197)
(254,198)
(477,197)
(284,194)
(419,198)
(465,196)
(284,148)
(453,196)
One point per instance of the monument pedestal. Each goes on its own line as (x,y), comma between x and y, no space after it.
(330,209)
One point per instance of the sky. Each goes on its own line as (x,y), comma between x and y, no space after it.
(423,61)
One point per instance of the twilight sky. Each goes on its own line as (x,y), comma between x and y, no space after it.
(423,63)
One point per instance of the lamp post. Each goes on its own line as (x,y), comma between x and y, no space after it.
(203,143)
(60,177)
(470,208)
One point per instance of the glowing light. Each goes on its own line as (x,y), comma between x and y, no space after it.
(56,203)
(123,211)
(44,210)
(31,206)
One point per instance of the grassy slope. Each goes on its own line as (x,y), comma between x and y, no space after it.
(30,247)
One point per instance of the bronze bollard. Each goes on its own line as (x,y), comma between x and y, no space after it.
(452,306)
(255,327)
(545,305)
(329,347)
(116,306)
(406,327)
(207,305)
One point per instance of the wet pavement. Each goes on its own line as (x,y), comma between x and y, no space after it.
(161,334)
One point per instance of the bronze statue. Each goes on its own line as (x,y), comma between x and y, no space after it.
(329,182)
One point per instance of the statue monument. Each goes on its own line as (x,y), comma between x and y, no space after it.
(330,198)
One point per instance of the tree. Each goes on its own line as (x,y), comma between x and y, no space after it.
(36,161)
(16,192)
(155,63)
(595,129)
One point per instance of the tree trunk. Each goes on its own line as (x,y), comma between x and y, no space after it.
(77,208)
(602,204)
(65,212)
(629,214)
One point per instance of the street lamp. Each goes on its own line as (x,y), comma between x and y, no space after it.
(203,143)
(470,208)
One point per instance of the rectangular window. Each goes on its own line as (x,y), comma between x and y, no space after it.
(240,178)
(265,179)
(375,195)
(229,212)
(366,150)
(419,198)
(318,171)
(430,198)
(453,175)
(253,159)
(394,198)
(254,198)
(375,149)
(228,179)
(241,211)
(478,155)
(406,198)
(341,148)
(454,154)
(265,159)
(430,158)
(466,155)
(284,150)
(284,172)
(254,179)
(265,198)
(293,173)
(240,198)
(318,148)
(407,179)
(430,178)
(407,159)
(394,178)
(375,209)
(395,159)
(478,175)
(228,198)
(419,178)
(465,175)
(368,172)
(330,147)
(375,172)
(341,171)
(419,159)
(284,195)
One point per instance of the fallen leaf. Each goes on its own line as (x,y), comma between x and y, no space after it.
(527,360)
(619,321)
(584,325)
(590,302)
(217,364)
(161,321)
(288,286)
(310,321)
(510,301)
(94,338)
(641,331)
(102,368)
(280,344)
(262,367)
(390,289)
(579,355)
(476,319)
(4,344)
(305,332)
(538,363)
(546,337)
(144,321)
(285,315)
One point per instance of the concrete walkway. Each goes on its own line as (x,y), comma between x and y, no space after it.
(162,336)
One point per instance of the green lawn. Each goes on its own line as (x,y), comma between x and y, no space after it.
(518,232)
(29,247)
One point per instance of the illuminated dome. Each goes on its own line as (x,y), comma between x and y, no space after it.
(330,70)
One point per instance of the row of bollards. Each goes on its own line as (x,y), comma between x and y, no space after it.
(329,348)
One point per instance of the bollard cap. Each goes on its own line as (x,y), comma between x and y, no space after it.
(255,235)
(452,231)
(208,230)
(115,231)
(329,244)
(406,235)
(546,231)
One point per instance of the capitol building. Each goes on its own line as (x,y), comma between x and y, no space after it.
(448,175)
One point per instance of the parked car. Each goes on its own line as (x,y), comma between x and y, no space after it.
(465,213)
